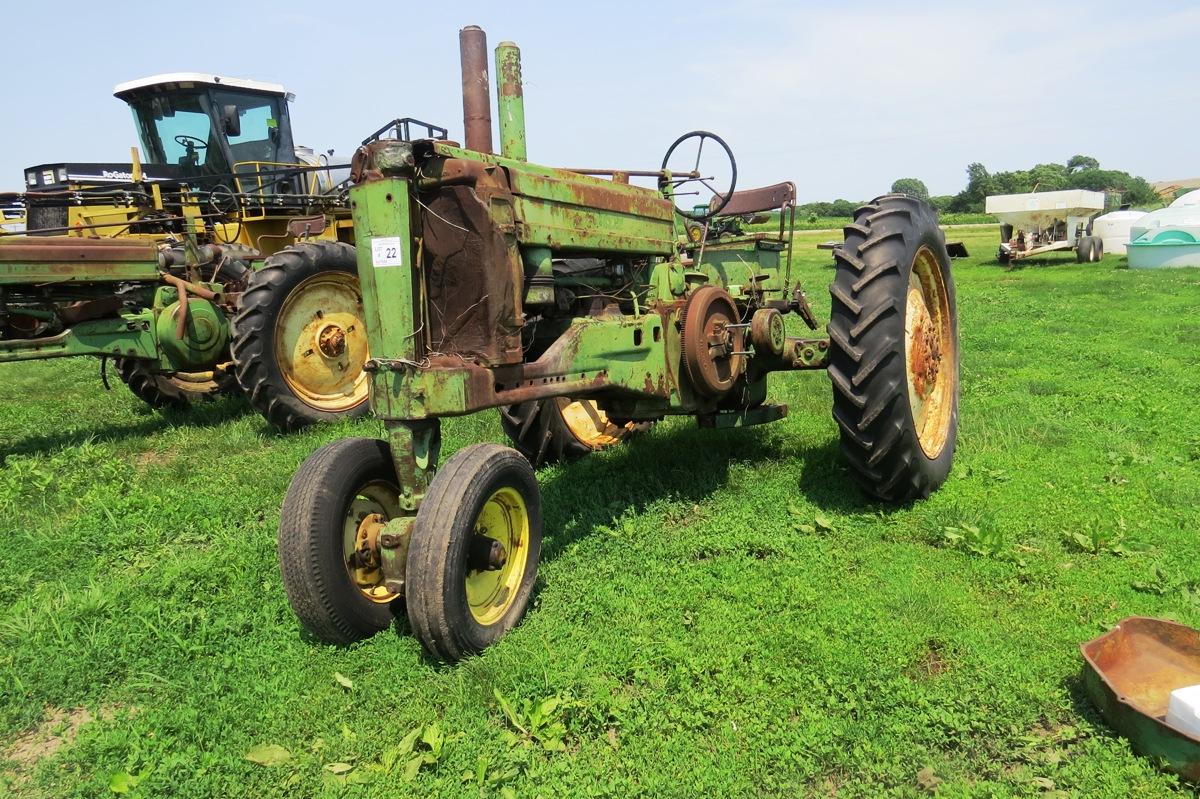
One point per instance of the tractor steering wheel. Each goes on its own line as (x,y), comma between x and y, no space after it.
(183,140)
(691,170)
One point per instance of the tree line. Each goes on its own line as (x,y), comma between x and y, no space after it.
(1080,172)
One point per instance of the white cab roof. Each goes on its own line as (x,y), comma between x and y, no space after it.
(185,80)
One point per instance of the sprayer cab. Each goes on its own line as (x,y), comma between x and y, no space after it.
(208,124)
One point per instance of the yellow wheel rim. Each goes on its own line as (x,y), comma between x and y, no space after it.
(930,354)
(589,424)
(373,504)
(490,593)
(321,342)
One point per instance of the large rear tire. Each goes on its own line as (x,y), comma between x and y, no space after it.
(299,338)
(561,430)
(893,355)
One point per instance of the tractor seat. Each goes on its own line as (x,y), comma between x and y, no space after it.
(756,201)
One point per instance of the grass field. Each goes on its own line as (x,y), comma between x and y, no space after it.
(718,613)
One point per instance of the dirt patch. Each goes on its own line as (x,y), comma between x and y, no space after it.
(150,458)
(58,728)
(932,661)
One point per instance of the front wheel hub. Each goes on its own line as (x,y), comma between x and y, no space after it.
(486,554)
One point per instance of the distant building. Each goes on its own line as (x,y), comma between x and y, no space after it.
(1167,189)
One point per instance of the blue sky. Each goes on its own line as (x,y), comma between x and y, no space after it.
(841,98)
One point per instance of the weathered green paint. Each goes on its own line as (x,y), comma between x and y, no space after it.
(381,212)
(569,227)
(130,336)
(69,259)
(204,338)
(736,264)
(511,101)
(147,333)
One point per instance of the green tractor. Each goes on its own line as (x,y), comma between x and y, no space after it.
(490,281)
(222,260)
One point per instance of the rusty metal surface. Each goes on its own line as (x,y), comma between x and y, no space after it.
(470,288)
(477,108)
(304,226)
(76,312)
(74,249)
(713,341)
(1130,672)
(510,101)
(753,201)
(604,195)
(60,259)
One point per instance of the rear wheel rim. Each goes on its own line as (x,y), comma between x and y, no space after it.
(588,424)
(929,353)
(372,505)
(491,593)
(321,342)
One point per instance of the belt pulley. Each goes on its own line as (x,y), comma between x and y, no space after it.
(713,341)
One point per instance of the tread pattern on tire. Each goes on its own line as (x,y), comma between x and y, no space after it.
(253,344)
(330,609)
(866,360)
(536,429)
(452,493)
(159,392)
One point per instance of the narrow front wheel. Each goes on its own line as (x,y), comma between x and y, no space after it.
(329,530)
(474,551)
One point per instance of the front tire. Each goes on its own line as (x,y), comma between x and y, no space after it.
(893,357)
(299,338)
(458,604)
(341,489)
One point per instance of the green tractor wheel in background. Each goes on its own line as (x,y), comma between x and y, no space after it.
(299,338)
(177,390)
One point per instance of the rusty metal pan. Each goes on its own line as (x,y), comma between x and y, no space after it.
(1129,673)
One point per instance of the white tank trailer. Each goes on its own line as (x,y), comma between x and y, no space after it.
(1046,221)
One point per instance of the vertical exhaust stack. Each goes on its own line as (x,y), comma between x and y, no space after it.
(511,101)
(477,103)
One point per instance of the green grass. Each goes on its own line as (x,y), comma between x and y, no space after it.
(719,613)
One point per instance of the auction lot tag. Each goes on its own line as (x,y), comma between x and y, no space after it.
(385,251)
